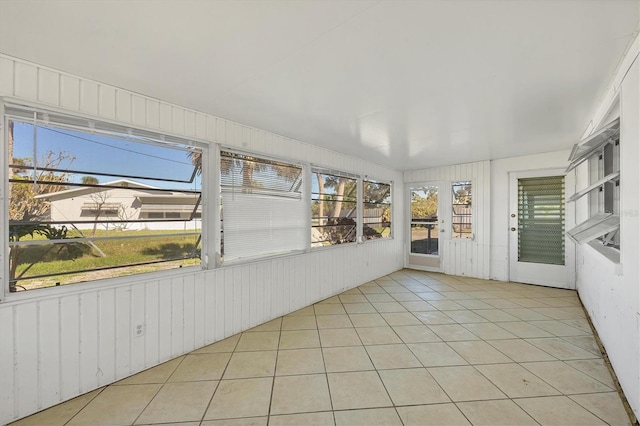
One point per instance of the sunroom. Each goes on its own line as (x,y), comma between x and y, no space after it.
(348,212)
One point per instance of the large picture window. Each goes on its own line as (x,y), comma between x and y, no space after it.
(334,212)
(376,210)
(91,200)
(263,212)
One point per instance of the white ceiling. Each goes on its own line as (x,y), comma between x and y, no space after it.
(408,84)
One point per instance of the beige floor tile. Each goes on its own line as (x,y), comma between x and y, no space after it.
(240,398)
(246,421)
(415,334)
(495,315)
(371,289)
(258,341)
(379,297)
(355,290)
(158,374)
(367,320)
(308,310)
(368,417)
(506,304)
(300,394)
(557,410)
(588,343)
(306,419)
(607,406)
(558,313)
(400,318)
(594,368)
(299,322)
(387,357)
(59,414)
(516,381)
(434,317)
(432,415)
(524,330)
(561,349)
(176,424)
(339,337)
(406,297)
(226,345)
(565,378)
(299,339)
(453,332)
(475,304)
(329,309)
(431,296)
(329,300)
(465,384)
(377,335)
(348,358)
(299,361)
(417,306)
(357,390)
(352,298)
(479,352)
(388,307)
(526,314)
(580,323)
(333,321)
(251,364)
(558,328)
(436,354)
(466,316)
(201,367)
(489,331)
(178,402)
(360,308)
(273,325)
(499,412)
(520,351)
(116,405)
(446,305)
(412,386)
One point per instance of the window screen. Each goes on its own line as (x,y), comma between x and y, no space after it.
(376,210)
(541,220)
(334,213)
(462,211)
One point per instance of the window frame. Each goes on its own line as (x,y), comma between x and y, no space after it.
(69,120)
(471,233)
(362,203)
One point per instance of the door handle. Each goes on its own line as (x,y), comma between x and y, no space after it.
(513,229)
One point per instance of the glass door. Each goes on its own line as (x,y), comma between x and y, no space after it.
(425,227)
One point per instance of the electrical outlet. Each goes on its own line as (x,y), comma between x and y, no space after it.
(138,330)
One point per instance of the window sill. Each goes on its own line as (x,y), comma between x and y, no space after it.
(610,253)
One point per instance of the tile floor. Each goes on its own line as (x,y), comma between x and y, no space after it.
(410,348)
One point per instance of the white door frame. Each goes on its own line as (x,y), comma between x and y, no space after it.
(443,225)
(560,276)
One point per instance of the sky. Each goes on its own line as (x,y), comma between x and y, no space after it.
(98,153)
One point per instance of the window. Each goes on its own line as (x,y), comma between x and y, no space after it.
(424,220)
(334,213)
(601,151)
(376,210)
(461,216)
(264,212)
(87,200)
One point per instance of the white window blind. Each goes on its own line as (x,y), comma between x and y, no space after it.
(263,210)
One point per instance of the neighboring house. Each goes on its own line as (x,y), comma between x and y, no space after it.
(132,206)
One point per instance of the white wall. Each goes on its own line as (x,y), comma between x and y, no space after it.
(460,256)
(60,342)
(500,209)
(610,292)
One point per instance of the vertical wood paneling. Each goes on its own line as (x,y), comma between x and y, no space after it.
(189,123)
(123,106)
(177,120)
(26,318)
(48,87)
(88,341)
(177,316)
(153,113)
(6,76)
(49,366)
(199,319)
(138,110)
(26,81)
(107,101)
(188,324)
(107,335)
(8,334)
(69,92)
(124,331)
(152,323)
(138,316)
(69,330)
(89,97)
(201,126)
(164,319)
(166,117)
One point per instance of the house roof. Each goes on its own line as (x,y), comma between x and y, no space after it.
(76,192)
(407,84)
